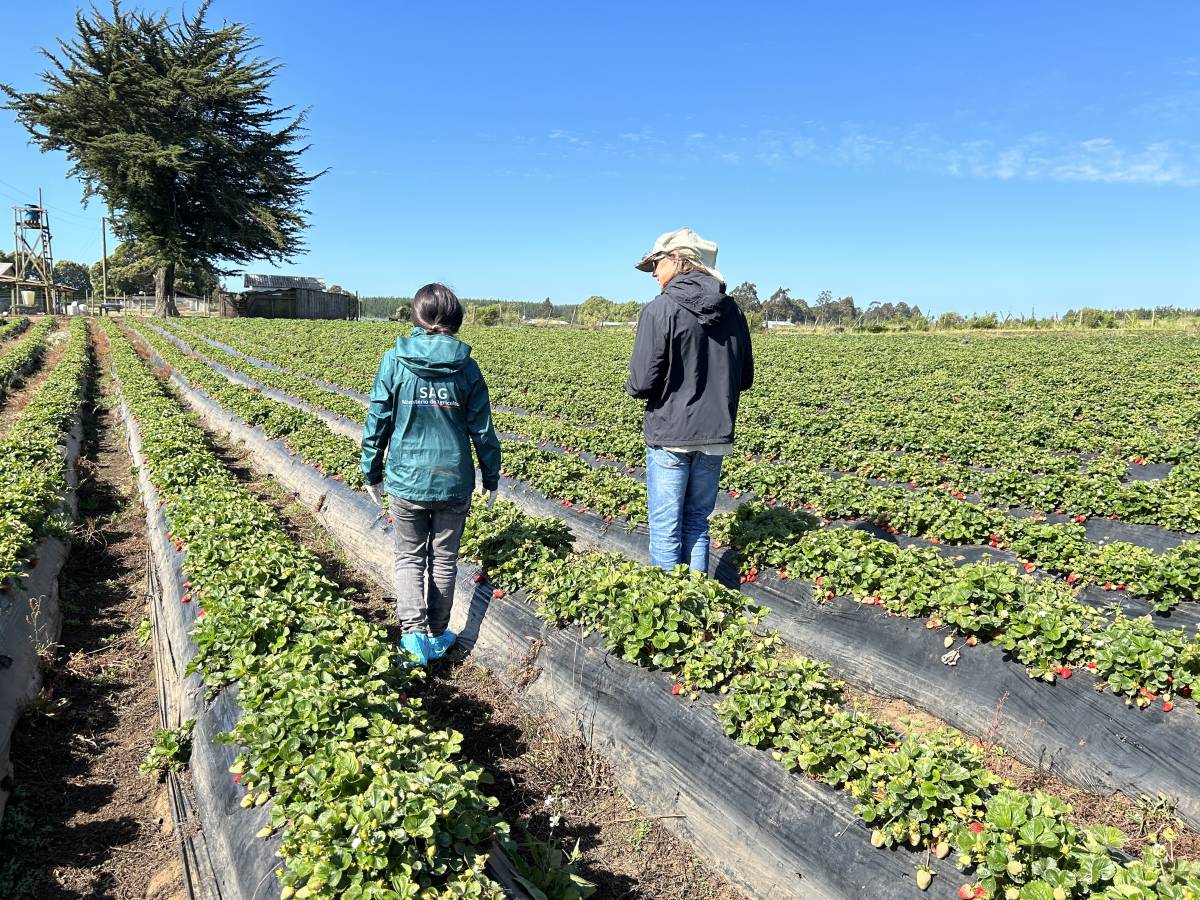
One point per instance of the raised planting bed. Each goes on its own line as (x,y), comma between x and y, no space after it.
(23,356)
(37,503)
(221,855)
(361,531)
(298,705)
(1088,738)
(759,825)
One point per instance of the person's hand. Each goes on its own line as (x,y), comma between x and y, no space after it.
(375,492)
(491,496)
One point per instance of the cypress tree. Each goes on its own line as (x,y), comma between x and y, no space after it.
(172,126)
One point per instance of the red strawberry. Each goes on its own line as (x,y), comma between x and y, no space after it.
(187,584)
(912,484)
(186,598)
(1148,694)
(1092,666)
(1029,567)
(1168,706)
(33,563)
(829,595)
(752,578)
(1072,578)
(1120,585)
(972,641)
(677,689)
(497,594)
(741,579)
(933,540)
(966,892)
(818,580)
(201,613)
(1113,517)
(1185,691)
(1108,585)
(976,827)
(478,577)
(1064,672)
(237,779)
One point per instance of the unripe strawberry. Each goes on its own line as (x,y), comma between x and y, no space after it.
(877,838)
(924,878)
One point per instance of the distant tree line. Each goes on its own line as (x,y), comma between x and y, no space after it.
(841,313)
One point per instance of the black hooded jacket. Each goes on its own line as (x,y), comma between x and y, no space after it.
(691,361)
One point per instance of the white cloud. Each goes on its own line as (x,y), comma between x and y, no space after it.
(1033,157)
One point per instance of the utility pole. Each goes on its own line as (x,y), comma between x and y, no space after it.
(103,261)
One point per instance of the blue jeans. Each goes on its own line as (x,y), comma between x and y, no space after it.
(682,491)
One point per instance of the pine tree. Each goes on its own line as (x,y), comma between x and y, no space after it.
(172,126)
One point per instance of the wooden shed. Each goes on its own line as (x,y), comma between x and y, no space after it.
(288,297)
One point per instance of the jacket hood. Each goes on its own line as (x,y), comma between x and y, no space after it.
(700,294)
(432,355)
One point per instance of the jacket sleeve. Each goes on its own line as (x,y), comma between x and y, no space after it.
(648,364)
(747,355)
(381,419)
(483,434)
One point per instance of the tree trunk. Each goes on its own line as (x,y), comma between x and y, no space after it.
(164,291)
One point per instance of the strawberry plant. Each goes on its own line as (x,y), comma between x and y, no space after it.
(914,793)
(170,751)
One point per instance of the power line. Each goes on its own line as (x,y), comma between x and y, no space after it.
(79,219)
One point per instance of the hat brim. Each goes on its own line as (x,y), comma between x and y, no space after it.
(649,261)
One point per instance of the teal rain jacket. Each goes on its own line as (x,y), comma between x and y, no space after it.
(428,406)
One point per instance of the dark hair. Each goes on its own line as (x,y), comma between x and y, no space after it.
(437,310)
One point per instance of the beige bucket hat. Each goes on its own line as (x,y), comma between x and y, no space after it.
(686,243)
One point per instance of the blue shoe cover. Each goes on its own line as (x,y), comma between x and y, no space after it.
(417,645)
(440,644)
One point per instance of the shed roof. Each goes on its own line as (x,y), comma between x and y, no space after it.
(281,282)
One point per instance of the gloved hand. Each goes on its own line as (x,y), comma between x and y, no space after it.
(491,496)
(375,492)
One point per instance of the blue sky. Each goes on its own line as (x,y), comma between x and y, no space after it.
(1024,156)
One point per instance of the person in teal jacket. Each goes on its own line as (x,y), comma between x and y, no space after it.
(429,406)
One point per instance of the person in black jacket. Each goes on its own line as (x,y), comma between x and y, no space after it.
(691,361)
